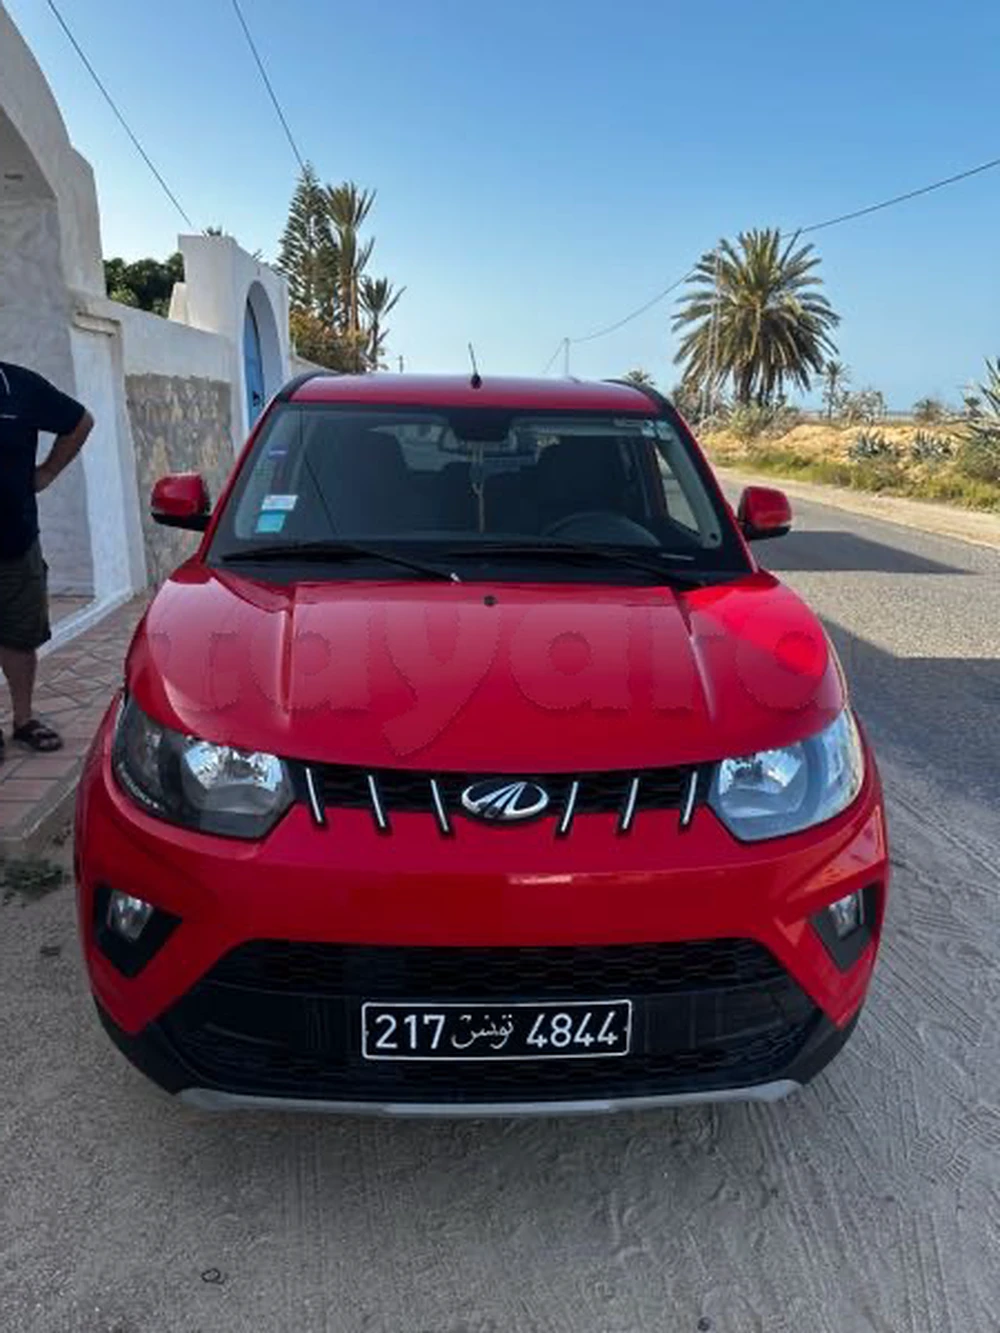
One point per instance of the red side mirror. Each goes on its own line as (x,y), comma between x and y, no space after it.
(764,512)
(181,501)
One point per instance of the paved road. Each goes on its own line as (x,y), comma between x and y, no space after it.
(870,1202)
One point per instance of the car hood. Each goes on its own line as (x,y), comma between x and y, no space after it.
(485,677)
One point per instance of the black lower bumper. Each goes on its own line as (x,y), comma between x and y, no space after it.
(282,1021)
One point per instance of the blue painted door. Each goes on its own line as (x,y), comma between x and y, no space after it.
(254,366)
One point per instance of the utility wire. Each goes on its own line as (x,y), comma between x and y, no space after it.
(267,84)
(901,198)
(124,123)
(800,231)
(613,328)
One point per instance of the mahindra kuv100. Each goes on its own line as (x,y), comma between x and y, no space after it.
(472,764)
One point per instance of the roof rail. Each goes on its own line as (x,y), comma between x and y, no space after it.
(659,400)
(289,390)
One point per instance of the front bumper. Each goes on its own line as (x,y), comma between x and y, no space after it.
(255,996)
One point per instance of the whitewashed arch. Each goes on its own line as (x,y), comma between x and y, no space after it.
(49,248)
(273,358)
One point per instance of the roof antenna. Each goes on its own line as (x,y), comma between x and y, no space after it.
(477,379)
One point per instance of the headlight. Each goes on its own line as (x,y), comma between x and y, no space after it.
(775,792)
(212,788)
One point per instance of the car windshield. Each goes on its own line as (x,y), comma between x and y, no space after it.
(475,485)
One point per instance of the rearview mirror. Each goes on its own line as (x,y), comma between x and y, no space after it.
(764,513)
(181,500)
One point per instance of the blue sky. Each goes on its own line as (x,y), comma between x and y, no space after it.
(543,168)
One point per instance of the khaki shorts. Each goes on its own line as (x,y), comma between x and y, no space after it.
(24,601)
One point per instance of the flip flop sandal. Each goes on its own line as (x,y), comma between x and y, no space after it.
(36,736)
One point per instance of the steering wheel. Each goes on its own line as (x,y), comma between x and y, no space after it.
(616,527)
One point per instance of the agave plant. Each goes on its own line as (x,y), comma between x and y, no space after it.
(979,453)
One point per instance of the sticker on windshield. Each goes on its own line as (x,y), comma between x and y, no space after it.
(282,503)
(271,521)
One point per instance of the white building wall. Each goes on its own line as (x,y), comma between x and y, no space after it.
(26,101)
(219,279)
(164,392)
(34,332)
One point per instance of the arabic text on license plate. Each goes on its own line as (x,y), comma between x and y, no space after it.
(495,1031)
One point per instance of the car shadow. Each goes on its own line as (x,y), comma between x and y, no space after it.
(941,713)
(844,552)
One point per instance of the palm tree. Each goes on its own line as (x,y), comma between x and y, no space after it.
(347,208)
(377,300)
(337,312)
(757,316)
(642,378)
(836,377)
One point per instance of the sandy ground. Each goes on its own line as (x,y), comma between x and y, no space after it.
(869,1202)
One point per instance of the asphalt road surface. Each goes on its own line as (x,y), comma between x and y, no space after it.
(869,1202)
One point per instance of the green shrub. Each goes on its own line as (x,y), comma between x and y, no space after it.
(979,453)
(866,405)
(878,474)
(886,475)
(749,422)
(929,410)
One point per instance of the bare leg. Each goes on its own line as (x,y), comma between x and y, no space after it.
(19,668)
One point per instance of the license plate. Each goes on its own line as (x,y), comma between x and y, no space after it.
(496,1031)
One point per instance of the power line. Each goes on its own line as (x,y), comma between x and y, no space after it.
(124,123)
(901,198)
(613,328)
(800,231)
(267,84)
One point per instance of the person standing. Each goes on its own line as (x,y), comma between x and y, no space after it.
(29,404)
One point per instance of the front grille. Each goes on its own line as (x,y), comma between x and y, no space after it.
(536,972)
(627,794)
(281,1019)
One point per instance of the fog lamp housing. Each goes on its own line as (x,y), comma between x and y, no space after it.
(847,914)
(848,925)
(128,930)
(128,916)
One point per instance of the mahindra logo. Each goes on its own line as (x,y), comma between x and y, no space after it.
(502,799)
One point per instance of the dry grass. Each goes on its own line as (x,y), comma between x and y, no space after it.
(820,452)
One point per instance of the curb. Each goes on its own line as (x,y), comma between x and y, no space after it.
(45,820)
(978,528)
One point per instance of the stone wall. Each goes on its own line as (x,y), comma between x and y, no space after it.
(179,424)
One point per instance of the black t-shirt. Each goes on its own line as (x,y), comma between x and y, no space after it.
(28,404)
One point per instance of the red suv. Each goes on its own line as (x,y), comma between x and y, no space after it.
(472,764)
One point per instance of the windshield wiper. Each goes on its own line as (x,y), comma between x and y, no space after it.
(583,551)
(331,551)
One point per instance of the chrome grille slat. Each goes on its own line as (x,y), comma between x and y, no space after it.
(566,819)
(315,803)
(689,798)
(378,810)
(388,792)
(628,809)
(444,823)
